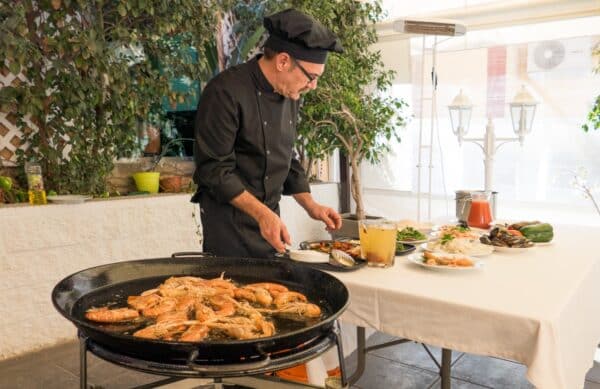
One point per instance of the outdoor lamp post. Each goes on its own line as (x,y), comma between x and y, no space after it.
(522,111)
(460,115)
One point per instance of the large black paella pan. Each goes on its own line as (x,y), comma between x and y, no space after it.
(98,285)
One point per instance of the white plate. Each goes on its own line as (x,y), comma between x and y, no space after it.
(543,243)
(68,199)
(511,250)
(413,242)
(310,256)
(418,260)
(483,254)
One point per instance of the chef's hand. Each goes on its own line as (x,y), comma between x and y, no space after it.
(273,230)
(327,215)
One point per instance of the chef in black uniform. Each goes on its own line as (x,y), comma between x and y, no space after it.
(245,129)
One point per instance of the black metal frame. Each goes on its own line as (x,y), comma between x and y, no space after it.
(190,369)
(444,366)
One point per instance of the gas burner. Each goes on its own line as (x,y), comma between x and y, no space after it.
(192,368)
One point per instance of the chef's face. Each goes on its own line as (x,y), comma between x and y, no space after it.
(298,77)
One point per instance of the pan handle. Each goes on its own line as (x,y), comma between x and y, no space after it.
(200,254)
(226,368)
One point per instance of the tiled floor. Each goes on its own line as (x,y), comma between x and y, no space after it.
(402,366)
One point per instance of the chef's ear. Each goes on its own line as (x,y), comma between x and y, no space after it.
(283,61)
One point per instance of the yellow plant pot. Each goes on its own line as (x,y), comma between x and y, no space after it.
(147,181)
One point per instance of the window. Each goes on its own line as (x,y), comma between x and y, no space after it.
(553,59)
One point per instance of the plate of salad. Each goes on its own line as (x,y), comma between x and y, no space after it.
(410,235)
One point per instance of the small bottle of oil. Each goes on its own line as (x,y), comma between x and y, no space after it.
(35,182)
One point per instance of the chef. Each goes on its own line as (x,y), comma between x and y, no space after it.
(245,129)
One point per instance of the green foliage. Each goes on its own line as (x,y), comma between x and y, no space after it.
(92,75)
(238,35)
(593,116)
(348,110)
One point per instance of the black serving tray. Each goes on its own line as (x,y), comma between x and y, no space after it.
(408,248)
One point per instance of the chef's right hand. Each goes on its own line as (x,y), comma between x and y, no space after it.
(274,231)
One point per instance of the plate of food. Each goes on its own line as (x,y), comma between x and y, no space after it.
(423,227)
(451,245)
(410,235)
(539,233)
(325,246)
(457,231)
(404,248)
(505,241)
(443,261)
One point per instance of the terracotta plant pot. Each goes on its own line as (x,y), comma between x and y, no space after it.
(171,184)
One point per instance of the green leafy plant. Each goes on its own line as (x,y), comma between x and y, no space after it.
(92,74)
(593,116)
(349,111)
(238,35)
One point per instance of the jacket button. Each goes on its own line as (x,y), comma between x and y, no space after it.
(259,93)
(268,152)
(266,178)
(265,123)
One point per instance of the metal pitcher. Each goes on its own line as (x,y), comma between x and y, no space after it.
(463,203)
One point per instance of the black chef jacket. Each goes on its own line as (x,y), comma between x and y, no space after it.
(245,135)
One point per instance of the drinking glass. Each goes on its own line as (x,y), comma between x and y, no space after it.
(377,242)
(480,215)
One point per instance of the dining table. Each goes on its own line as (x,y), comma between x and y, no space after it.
(538,306)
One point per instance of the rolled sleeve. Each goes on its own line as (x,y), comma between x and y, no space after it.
(296,181)
(216,126)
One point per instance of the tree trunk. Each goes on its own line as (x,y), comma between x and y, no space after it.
(356,188)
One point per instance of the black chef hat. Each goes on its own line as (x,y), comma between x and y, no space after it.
(301,36)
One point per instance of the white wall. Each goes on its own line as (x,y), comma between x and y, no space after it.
(41,245)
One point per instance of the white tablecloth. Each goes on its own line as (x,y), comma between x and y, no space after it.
(540,307)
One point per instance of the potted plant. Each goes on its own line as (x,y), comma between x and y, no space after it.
(148,180)
(349,110)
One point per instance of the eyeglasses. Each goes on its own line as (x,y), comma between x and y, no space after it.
(311,77)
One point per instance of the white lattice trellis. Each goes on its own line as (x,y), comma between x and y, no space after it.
(10,133)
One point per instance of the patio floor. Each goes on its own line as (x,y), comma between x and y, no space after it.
(402,366)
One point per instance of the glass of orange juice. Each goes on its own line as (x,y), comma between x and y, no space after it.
(377,242)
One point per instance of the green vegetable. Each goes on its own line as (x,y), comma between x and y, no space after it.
(399,246)
(541,232)
(21,196)
(51,193)
(410,234)
(446,238)
(5,183)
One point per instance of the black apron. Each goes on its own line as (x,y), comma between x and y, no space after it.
(245,134)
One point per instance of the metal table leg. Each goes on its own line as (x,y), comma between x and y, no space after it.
(360,356)
(445,368)
(82,362)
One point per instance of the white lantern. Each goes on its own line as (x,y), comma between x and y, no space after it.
(522,111)
(460,114)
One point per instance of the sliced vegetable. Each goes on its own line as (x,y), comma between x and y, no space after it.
(540,233)
(515,232)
